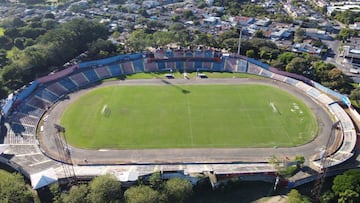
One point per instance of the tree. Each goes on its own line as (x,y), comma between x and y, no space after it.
(346,33)
(285,58)
(298,65)
(355,95)
(177,189)
(13,188)
(176,27)
(327,197)
(295,197)
(347,186)
(348,196)
(77,194)
(141,194)
(259,34)
(155,181)
(105,188)
(337,80)
(299,35)
(188,14)
(101,49)
(250,53)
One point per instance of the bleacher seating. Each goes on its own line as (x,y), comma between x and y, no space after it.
(170,65)
(189,66)
(209,53)
(68,84)
(56,89)
(169,53)
(45,94)
(159,53)
(219,66)
(253,69)
(103,72)
(20,129)
(314,92)
(231,64)
(179,53)
(127,68)
(198,64)
(33,111)
(207,65)
(38,102)
(25,119)
(79,79)
(199,53)
(278,77)
(138,65)
(91,75)
(189,53)
(115,70)
(291,81)
(161,65)
(266,73)
(324,99)
(303,86)
(151,67)
(180,65)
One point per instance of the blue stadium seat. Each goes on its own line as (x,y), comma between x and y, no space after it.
(161,65)
(45,94)
(68,84)
(180,65)
(139,65)
(91,75)
(115,70)
(198,64)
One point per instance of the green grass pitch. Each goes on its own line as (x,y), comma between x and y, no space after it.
(188,116)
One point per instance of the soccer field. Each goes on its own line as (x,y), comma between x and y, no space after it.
(188,116)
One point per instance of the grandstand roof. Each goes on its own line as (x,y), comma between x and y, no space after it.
(43,178)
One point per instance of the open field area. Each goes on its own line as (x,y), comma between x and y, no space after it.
(188,116)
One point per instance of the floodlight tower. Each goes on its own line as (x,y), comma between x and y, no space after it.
(316,191)
(65,155)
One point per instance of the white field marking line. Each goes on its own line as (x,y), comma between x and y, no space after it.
(273,107)
(190,124)
(281,124)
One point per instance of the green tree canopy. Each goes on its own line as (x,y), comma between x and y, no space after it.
(298,65)
(105,188)
(177,189)
(295,197)
(347,186)
(141,194)
(13,188)
(77,194)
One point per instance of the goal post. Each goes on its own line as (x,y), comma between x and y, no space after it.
(106,111)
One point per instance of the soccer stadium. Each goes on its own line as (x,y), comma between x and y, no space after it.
(93,118)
